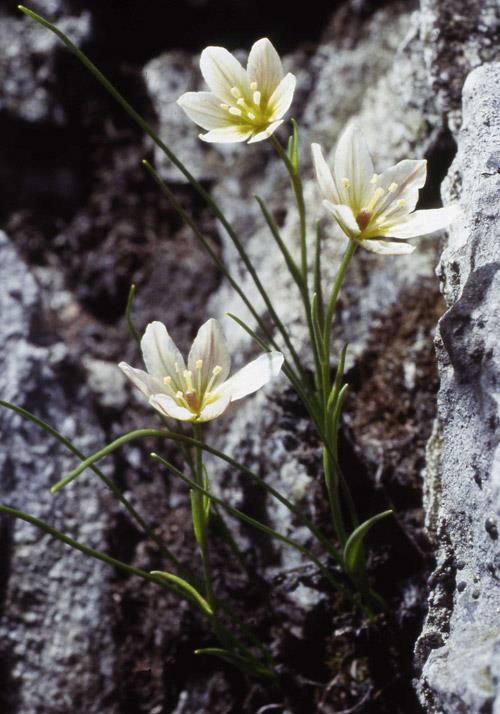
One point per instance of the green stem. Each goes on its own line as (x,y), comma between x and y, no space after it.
(201,516)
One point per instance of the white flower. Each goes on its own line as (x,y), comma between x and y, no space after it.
(202,391)
(242,104)
(370,207)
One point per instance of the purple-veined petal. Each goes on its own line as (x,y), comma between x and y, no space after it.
(344,217)
(215,408)
(383,247)
(168,407)
(204,108)
(281,98)
(253,376)
(406,178)
(324,175)
(210,347)
(266,133)
(160,352)
(420,223)
(142,380)
(227,135)
(353,162)
(222,71)
(264,67)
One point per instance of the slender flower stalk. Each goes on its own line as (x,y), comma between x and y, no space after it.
(242,104)
(373,208)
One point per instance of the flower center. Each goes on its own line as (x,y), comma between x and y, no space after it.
(190,392)
(246,110)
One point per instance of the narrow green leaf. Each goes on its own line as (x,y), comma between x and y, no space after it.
(92,552)
(354,546)
(187,587)
(237,660)
(195,515)
(294,158)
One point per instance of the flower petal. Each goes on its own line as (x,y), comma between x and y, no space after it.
(420,223)
(204,108)
(215,408)
(281,98)
(383,247)
(253,376)
(160,353)
(227,135)
(222,71)
(210,347)
(344,217)
(264,67)
(169,407)
(409,176)
(324,175)
(353,162)
(142,380)
(266,133)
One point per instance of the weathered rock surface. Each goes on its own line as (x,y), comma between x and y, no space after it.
(56,651)
(461,635)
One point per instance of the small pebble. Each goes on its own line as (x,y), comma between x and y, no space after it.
(490,525)
(461,586)
(476,593)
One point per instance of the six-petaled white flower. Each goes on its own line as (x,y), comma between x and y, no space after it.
(242,104)
(201,391)
(373,208)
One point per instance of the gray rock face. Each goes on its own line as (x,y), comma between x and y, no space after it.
(27,57)
(462,636)
(53,607)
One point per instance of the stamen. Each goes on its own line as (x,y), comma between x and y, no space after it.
(179,395)
(167,381)
(235,92)
(393,187)
(401,203)
(235,111)
(187,374)
(241,102)
(377,195)
(256,98)
(253,86)
(215,373)
(345,183)
(251,115)
(199,364)
(224,106)
(374,178)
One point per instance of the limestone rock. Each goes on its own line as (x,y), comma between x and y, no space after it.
(53,607)
(461,638)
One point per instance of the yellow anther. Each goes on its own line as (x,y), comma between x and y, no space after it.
(235,111)
(401,203)
(240,101)
(393,187)
(216,370)
(235,92)
(179,395)
(215,373)
(224,106)
(374,178)
(253,86)
(199,364)
(345,182)
(256,98)
(167,380)
(251,115)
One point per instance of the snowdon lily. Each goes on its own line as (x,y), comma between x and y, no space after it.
(371,208)
(202,391)
(242,104)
